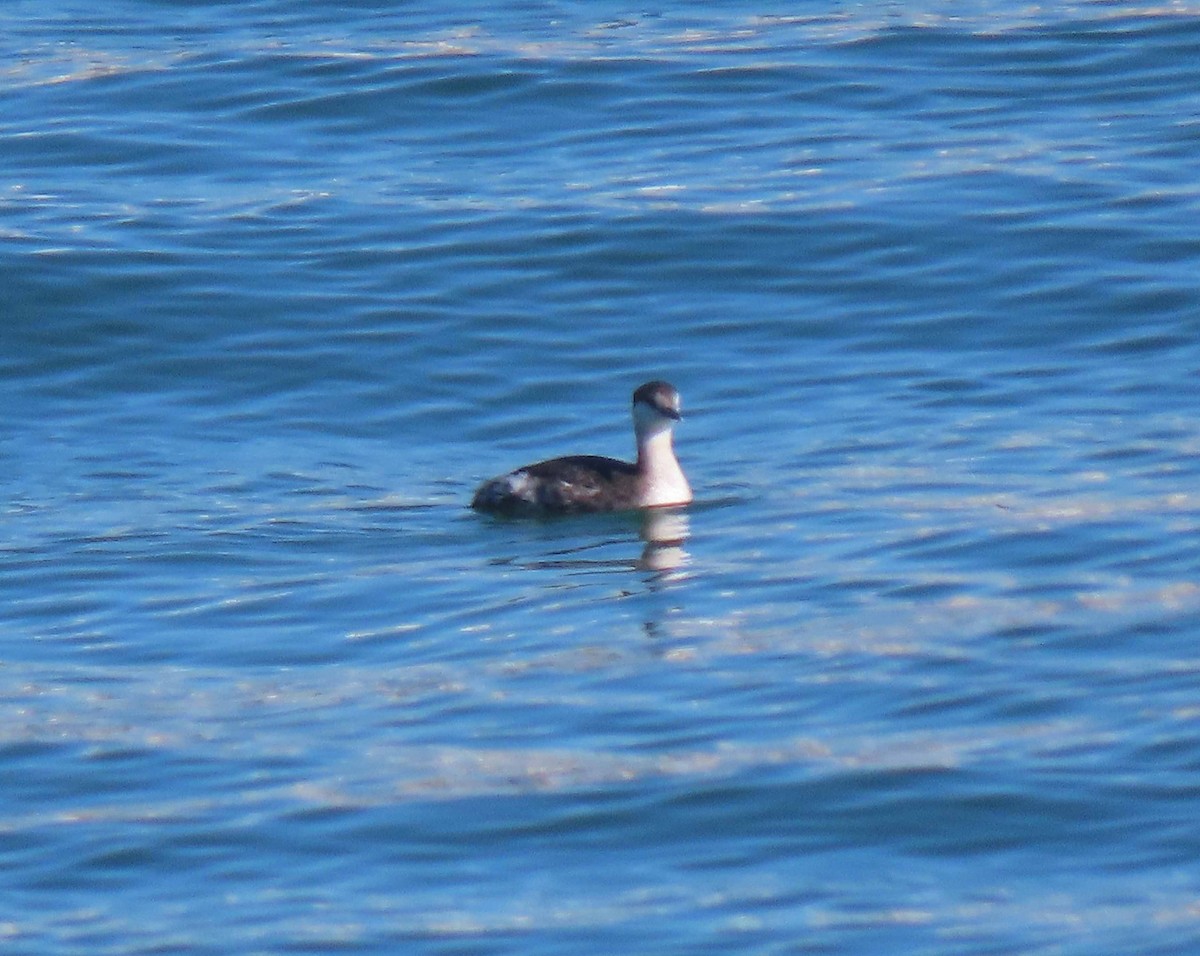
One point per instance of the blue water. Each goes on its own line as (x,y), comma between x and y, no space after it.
(918,672)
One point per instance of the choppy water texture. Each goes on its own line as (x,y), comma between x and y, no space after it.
(917,673)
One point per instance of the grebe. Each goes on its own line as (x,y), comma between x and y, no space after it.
(580,483)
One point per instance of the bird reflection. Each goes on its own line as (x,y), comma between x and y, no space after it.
(664,530)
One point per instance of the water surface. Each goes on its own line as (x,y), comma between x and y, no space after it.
(915,674)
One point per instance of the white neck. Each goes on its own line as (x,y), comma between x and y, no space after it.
(662,480)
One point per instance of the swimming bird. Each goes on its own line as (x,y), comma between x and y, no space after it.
(583,483)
